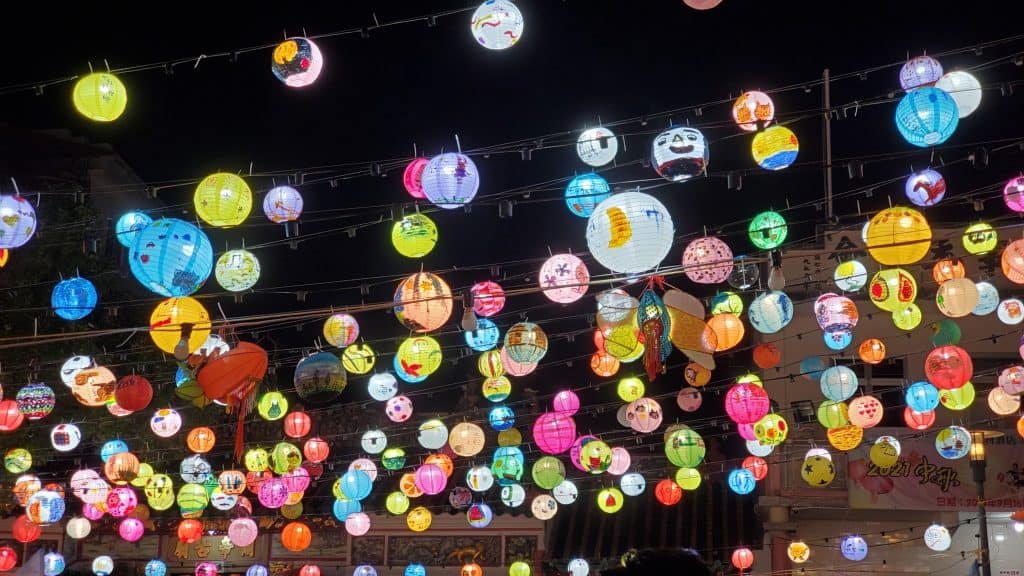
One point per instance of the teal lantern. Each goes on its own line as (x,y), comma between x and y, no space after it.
(485,337)
(112,447)
(742,481)
(501,418)
(342,508)
(768,230)
(129,225)
(927,116)
(585,192)
(171,257)
(508,465)
(73,299)
(356,484)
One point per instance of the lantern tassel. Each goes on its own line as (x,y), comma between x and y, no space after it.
(652,330)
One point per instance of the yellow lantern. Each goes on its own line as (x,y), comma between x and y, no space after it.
(359,358)
(466,439)
(165,324)
(419,519)
(630,389)
(907,317)
(272,406)
(414,236)
(845,438)
(688,478)
(958,398)
(818,471)
(891,289)
(898,236)
(980,238)
(510,437)
(622,341)
(489,364)
(610,500)
(798,552)
(100,96)
(237,270)
(292,511)
(223,200)
(883,454)
(397,503)
(419,356)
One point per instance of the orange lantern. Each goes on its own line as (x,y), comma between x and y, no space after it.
(948,269)
(316,450)
(201,440)
(253,480)
(121,468)
(872,351)
(471,570)
(423,302)
(231,482)
(767,355)
(443,461)
(231,376)
(1020,429)
(296,536)
(1013,262)
(729,330)
(297,424)
(696,375)
(25,531)
(604,364)
(190,530)
(668,492)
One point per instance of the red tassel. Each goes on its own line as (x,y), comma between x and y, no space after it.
(239,435)
(652,330)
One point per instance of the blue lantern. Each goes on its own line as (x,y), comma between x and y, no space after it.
(838,383)
(838,339)
(927,116)
(485,337)
(450,180)
(156,568)
(812,367)
(342,508)
(742,481)
(171,257)
(73,299)
(256,570)
(54,564)
(922,396)
(770,312)
(415,570)
(356,484)
(112,447)
(501,418)
(585,192)
(129,225)
(854,548)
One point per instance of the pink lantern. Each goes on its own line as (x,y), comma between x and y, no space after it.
(412,178)
(131,529)
(358,523)
(948,367)
(644,415)
(514,367)
(488,298)
(746,403)
(577,448)
(746,432)
(554,433)
(431,479)
(273,493)
(297,480)
(689,399)
(366,465)
(121,501)
(834,312)
(920,71)
(1013,194)
(707,260)
(398,409)
(92,512)
(243,531)
(564,278)
(865,411)
(206,569)
(566,403)
(1011,380)
(620,461)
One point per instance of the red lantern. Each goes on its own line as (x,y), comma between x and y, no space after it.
(190,531)
(471,570)
(8,558)
(133,393)
(10,416)
(253,480)
(757,466)
(668,492)
(309,570)
(767,355)
(231,376)
(918,420)
(297,424)
(296,536)
(742,559)
(316,449)
(25,531)
(948,367)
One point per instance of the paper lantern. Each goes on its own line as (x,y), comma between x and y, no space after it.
(1010,311)
(697,375)
(526,342)
(925,188)
(818,471)
(866,411)
(644,415)
(907,317)
(296,536)
(256,570)
(772,429)
(190,531)
(871,351)
(685,448)
(630,232)
(223,200)
(953,442)
(121,468)
(450,180)
(554,433)
(360,359)
(25,531)
(272,406)
(707,260)
(920,71)
(680,153)
(980,238)
(947,269)
(753,110)
(285,457)
(883,454)
(918,420)
(768,230)
(165,422)
(585,192)
(76,528)
(319,378)
(775,148)
(959,398)
(898,236)
(155,568)
(957,298)
(100,97)
(35,401)
(746,403)
(466,439)
(1013,194)
(497,25)
(850,276)
(566,402)
(564,278)
(341,330)
(630,389)
(414,236)
(1013,262)
(937,538)
(798,552)
(727,303)
(168,319)
(854,548)
(964,89)
(922,397)
(597,146)
(742,559)
(398,409)
(73,299)
(544,507)
(237,270)
(171,257)
(892,289)
(728,330)
(767,355)
(102,565)
(282,204)
(415,570)
(741,481)
(944,332)
(1002,403)
(201,440)
(948,367)
(17,460)
(610,500)
(131,529)
(54,564)
(927,116)
(770,312)
(423,302)
(297,62)
(44,507)
(832,414)
(488,298)
(668,492)
(689,399)
(430,479)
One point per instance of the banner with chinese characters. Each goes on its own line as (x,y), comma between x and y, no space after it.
(923,480)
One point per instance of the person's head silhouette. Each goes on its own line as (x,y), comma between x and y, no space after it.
(682,561)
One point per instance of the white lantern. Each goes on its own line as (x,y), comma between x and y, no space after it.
(579,567)
(237,270)
(597,146)
(450,180)
(937,538)
(630,233)
(17,221)
(497,24)
(965,90)
(680,153)
(1002,403)
(374,441)
(282,204)
(78,527)
(433,434)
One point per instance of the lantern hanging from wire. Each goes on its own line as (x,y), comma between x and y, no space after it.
(414,236)
(585,192)
(564,278)
(497,24)
(297,62)
(753,110)
(450,180)
(423,302)
(920,71)
(282,204)
(223,200)
(775,148)
(680,153)
(129,225)
(100,96)
(964,89)
(597,146)
(630,232)
(171,257)
(927,116)
(237,270)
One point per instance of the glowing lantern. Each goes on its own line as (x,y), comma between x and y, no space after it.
(319,378)
(76,528)
(171,257)
(775,148)
(918,420)
(746,403)
(1013,194)
(948,367)
(644,415)
(35,401)
(898,236)
(297,62)
(485,337)
(753,110)
(953,442)
(73,299)
(526,342)
(200,440)
(131,529)
(727,303)
(597,146)
(414,236)
(566,402)
(685,448)
(630,389)
(272,406)
(947,269)
(1011,311)
(190,531)
(920,71)
(297,424)
(554,433)
(431,479)
(102,565)
(925,188)
(296,536)
(121,468)
(854,548)
(922,397)
(360,359)
(165,422)
(497,25)
(927,116)
(1013,262)
(564,278)
(398,409)
(466,439)
(866,411)
(980,238)
(892,289)
(937,538)
(610,500)
(770,312)
(767,355)
(412,177)
(728,330)
(768,230)
(883,454)
(742,559)
(689,399)
(167,321)
(707,260)
(630,232)
(680,153)
(423,302)
(1002,403)
(832,414)
(282,204)
(772,429)
(964,89)
(418,357)
(957,298)
(697,375)
(668,492)
(450,180)
(17,460)
(237,270)
(818,471)
(133,393)
(44,507)
(585,192)
(54,564)
(223,200)
(798,552)
(741,481)
(382,386)
(100,96)
(850,276)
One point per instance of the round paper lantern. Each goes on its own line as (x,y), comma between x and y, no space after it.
(728,330)
(918,420)
(237,270)
(566,402)
(76,528)
(742,559)
(155,568)
(798,552)
(768,230)
(947,269)
(319,378)
(818,471)
(835,313)
(707,260)
(871,351)
(727,303)
(414,236)
(1013,194)
(850,276)
(168,319)
(597,146)
(466,439)
(256,570)
(753,110)
(697,375)
(898,236)
(412,177)
(988,299)
(102,565)
(610,500)
(741,481)
(937,538)
(630,389)
(953,442)
(685,448)
(633,484)
(866,411)
(948,367)
(833,414)
(594,457)
(297,62)
(920,71)
(668,492)
(925,188)
(1010,311)
(35,401)
(282,204)
(122,468)
(131,529)
(201,440)
(644,415)
(1002,403)
(772,429)
(44,507)
(415,570)
(450,180)
(309,570)
(1013,262)
(680,153)
(361,358)
(133,393)
(854,548)
(165,422)
(883,454)
(519,568)
(485,337)
(767,355)
(100,97)
(959,398)
(564,278)
(423,302)
(927,116)
(54,564)
(688,478)
(296,536)
(223,200)
(554,433)
(382,386)
(64,437)
(689,399)
(964,89)
(775,148)
(746,403)
(585,192)
(544,507)
(479,515)
(770,312)
(398,409)
(171,257)
(17,460)
(73,299)
(17,221)
(497,25)
(980,238)
(892,289)
(431,479)
(190,531)
(922,397)
(630,232)
(526,342)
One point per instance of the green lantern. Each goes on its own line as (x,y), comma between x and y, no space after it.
(393,458)
(727,303)
(833,414)
(272,406)
(768,230)
(285,457)
(519,568)
(685,448)
(397,503)
(688,478)
(548,472)
(257,460)
(192,499)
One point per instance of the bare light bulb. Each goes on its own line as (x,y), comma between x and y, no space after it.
(181,348)
(776,279)
(469,322)
(1018,527)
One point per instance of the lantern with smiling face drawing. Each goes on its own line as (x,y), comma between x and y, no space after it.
(680,153)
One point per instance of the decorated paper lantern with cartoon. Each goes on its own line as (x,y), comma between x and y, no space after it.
(282,204)
(423,302)
(297,62)
(753,111)
(630,232)
(171,257)
(680,153)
